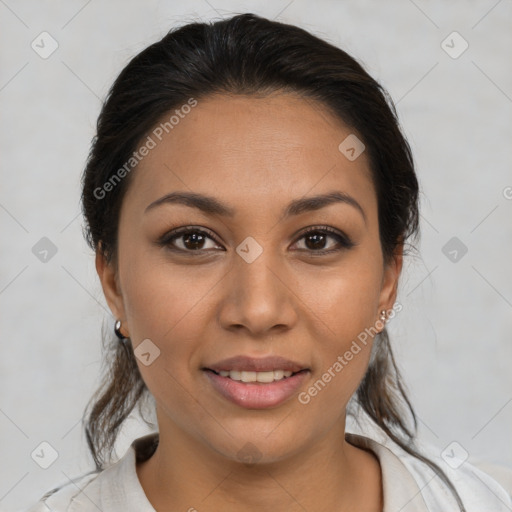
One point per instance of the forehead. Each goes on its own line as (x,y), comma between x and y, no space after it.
(260,147)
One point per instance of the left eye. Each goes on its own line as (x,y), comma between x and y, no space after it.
(315,240)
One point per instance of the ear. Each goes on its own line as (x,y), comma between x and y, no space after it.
(392,270)
(107,273)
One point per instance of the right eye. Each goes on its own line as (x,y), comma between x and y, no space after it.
(187,240)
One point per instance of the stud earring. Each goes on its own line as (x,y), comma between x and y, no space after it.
(383,316)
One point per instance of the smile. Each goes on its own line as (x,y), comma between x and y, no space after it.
(256,390)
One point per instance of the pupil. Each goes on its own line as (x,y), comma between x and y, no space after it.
(194,239)
(318,241)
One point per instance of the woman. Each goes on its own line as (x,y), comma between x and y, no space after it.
(249,196)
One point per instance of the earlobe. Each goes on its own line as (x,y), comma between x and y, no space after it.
(107,273)
(392,270)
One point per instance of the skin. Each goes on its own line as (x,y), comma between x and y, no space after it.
(255,154)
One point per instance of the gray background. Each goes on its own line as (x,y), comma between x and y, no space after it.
(453,337)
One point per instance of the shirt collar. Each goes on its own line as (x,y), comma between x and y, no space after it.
(400,490)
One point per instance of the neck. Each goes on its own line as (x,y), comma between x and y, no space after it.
(187,474)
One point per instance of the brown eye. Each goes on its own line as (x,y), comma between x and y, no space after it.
(188,240)
(316,240)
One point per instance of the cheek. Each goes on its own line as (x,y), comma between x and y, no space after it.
(344,300)
(343,307)
(170,305)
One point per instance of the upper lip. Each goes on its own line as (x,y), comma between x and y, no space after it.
(251,364)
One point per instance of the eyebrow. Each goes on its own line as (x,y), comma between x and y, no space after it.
(212,206)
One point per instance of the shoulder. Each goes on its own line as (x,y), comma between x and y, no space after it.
(114,488)
(481,486)
(80,494)
(410,482)
(501,474)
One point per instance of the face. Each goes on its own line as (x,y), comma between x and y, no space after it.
(259,271)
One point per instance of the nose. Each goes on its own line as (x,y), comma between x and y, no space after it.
(259,297)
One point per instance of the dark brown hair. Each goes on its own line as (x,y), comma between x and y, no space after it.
(247,54)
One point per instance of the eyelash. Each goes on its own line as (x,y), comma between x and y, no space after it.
(343,240)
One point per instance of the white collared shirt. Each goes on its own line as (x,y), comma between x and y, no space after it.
(408,484)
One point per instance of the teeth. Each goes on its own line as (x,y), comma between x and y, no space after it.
(256,376)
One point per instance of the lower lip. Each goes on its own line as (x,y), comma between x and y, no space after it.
(257,395)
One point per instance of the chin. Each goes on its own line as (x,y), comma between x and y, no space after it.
(256,447)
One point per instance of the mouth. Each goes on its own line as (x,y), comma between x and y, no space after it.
(256,383)
(256,390)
